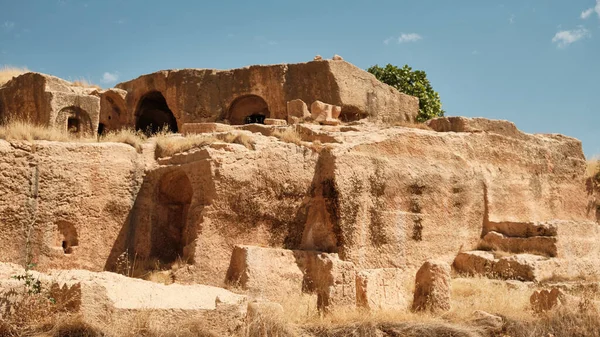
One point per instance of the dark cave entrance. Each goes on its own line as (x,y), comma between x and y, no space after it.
(170,233)
(153,114)
(248,109)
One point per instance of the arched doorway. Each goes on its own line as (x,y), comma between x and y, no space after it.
(153,114)
(248,109)
(170,233)
(75,120)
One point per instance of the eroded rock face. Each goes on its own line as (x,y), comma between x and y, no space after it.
(382,289)
(377,197)
(50,101)
(263,91)
(432,287)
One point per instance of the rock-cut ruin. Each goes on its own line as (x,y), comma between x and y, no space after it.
(347,213)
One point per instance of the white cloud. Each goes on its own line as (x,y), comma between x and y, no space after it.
(588,12)
(566,37)
(388,40)
(511,19)
(110,77)
(410,37)
(8,25)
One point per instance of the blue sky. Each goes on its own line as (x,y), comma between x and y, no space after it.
(533,62)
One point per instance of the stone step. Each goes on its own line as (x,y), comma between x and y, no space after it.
(522,267)
(522,229)
(540,245)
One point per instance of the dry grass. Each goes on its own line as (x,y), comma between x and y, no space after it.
(168,145)
(35,315)
(18,130)
(8,72)
(84,83)
(126,136)
(289,135)
(25,131)
(411,125)
(593,168)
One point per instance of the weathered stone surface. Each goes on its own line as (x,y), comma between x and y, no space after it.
(337,57)
(382,289)
(432,287)
(475,263)
(73,198)
(377,218)
(547,299)
(196,128)
(344,195)
(268,272)
(236,94)
(108,297)
(324,113)
(297,108)
(543,245)
(522,229)
(333,280)
(487,320)
(523,267)
(50,101)
(273,121)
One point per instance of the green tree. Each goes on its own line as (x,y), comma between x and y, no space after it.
(414,83)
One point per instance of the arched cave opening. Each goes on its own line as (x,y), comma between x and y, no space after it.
(66,237)
(153,114)
(170,232)
(248,109)
(75,120)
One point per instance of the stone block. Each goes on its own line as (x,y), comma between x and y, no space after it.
(195,128)
(325,113)
(297,108)
(269,272)
(381,289)
(333,280)
(432,287)
(274,121)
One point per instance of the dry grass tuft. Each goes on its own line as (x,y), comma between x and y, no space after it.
(411,125)
(581,321)
(8,72)
(84,83)
(593,169)
(25,131)
(126,136)
(18,130)
(289,135)
(168,145)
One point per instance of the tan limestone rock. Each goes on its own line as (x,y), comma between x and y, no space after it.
(268,272)
(317,58)
(195,128)
(297,108)
(547,299)
(277,122)
(382,289)
(545,245)
(523,267)
(334,281)
(474,263)
(337,57)
(324,113)
(432,287)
